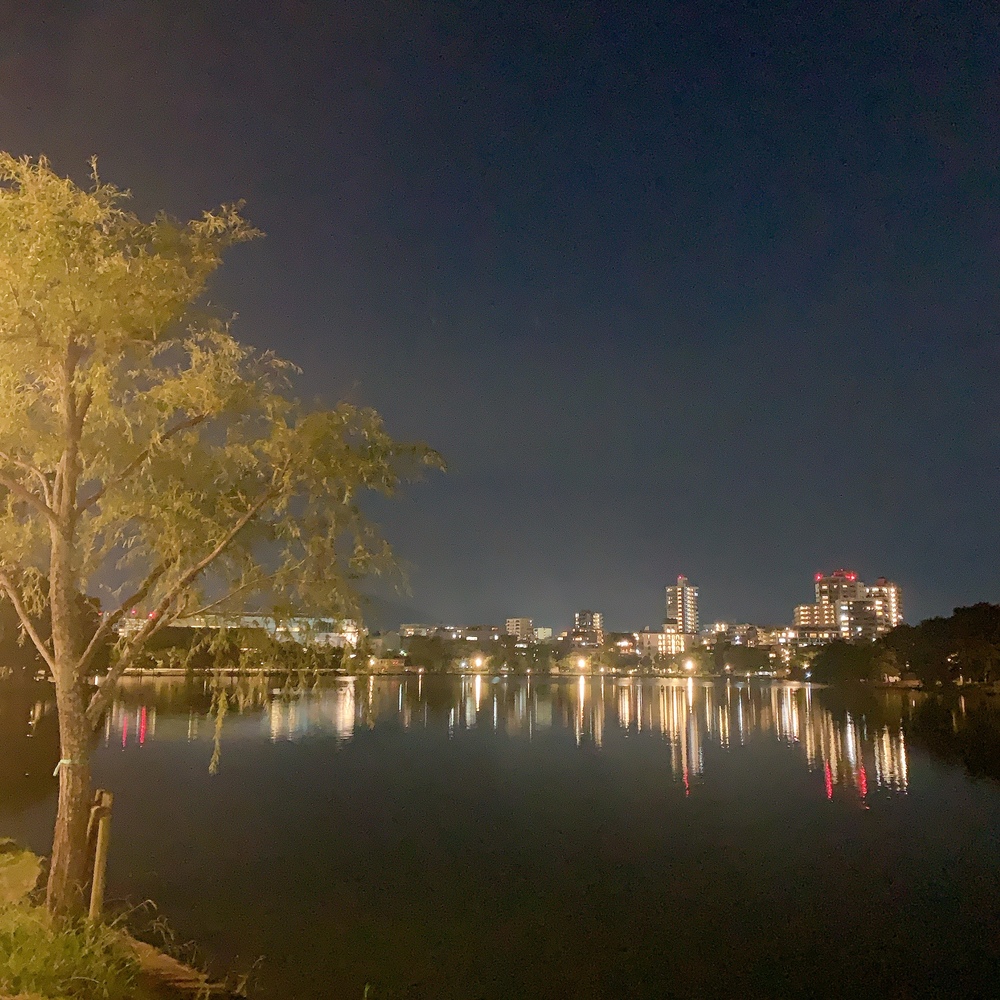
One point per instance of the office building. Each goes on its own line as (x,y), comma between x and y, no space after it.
(682,606)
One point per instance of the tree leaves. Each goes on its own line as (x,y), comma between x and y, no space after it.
(134,426)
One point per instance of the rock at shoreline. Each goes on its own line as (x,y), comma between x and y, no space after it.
(19,871)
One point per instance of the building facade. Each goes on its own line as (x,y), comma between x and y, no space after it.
(682,606)
(661,644)
(588,628)
(523,629)
(848,609)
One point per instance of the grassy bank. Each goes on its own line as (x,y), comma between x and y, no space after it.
(66,961)
(46,959)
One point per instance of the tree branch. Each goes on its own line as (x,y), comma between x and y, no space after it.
(102,696)
(109,621)
(26,622)
(32,470)
(205,608)
(138,461)
(23,493)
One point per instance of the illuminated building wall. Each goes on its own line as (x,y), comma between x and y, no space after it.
(668,643)
(522,629)
(816,616)
(682,606)
(849,609)
(840,585)
(588,628)
(889,593)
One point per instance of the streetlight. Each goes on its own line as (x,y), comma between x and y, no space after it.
(689,664)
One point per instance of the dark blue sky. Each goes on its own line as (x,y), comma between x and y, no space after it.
(701,288)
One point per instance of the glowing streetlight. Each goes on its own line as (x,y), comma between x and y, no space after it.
(479,661)
(581,662)
(689,664)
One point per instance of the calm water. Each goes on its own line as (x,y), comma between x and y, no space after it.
(487,837)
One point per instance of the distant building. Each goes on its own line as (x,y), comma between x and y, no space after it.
(481,633)
(816,616)
(521,628)
(889,593)
(408,631)
(840,585)
(809,635)
(623,642)
(337,632)
(661,644)
(682,606)
(542,634)
(588,628)
(848,609)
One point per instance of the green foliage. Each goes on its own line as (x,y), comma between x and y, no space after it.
(63,960)
(161,452)
(747,659)
(940,650)
(843,662)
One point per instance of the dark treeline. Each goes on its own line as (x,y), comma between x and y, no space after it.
(19,659)
(963,648)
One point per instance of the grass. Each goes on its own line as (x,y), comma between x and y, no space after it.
(47,959)
(64,960)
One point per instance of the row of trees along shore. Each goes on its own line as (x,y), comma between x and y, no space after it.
(960,649)
(149,458)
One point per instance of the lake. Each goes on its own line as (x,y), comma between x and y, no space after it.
(490,837)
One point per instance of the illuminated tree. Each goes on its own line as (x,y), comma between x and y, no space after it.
(144,449)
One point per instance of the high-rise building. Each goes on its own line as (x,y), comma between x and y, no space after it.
(588,628)
(840,585)
(848,609)
(888,592)
(819,615)
(682,606)
(522,629)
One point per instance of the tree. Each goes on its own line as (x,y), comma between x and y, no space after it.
(143,446)
(839,662)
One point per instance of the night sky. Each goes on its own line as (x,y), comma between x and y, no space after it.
(699,288)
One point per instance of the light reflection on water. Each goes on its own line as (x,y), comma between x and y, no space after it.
(603,836)
(844,751)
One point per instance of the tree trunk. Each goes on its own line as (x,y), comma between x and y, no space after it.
(68,873)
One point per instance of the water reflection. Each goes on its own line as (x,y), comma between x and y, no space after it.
(846,750)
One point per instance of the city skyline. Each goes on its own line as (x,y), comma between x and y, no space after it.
(668,287)
(843,600)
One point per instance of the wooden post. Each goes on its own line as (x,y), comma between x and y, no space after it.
(101,813)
